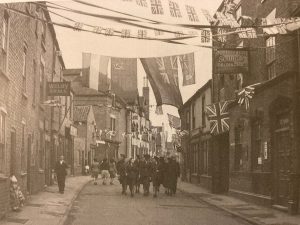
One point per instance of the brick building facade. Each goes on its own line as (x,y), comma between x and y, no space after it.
(260,153)
(196,146)
(29,58)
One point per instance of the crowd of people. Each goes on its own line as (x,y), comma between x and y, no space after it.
(144,170)
(133,174)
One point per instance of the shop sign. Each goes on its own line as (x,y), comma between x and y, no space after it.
(231,61)
(58,88)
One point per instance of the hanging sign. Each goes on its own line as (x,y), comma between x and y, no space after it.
(231,61)
(58,88)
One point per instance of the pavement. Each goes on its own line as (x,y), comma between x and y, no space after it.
(252,213)
(48,207)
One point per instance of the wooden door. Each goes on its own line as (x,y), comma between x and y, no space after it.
(283,155)
(13,152)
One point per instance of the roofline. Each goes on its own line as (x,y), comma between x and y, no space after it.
(197,94)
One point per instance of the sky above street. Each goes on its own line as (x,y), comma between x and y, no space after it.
(73,43)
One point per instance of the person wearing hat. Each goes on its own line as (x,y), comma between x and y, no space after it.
(61,173)
(145,174)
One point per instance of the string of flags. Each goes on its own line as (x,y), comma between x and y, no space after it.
(246,94)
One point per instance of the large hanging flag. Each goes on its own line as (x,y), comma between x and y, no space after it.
(104,81)
(174,121)
(218,117)
(163,78)
(124,78)
(187,63)
(90,70)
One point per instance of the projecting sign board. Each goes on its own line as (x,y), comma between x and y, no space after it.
(231,61)
(58,88)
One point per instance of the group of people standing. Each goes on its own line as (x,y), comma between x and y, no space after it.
(107,169)
(144,170)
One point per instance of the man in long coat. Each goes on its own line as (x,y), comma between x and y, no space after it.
(61,173)
(121,168)
(145,173)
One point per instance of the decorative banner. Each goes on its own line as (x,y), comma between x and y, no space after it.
(124,78)
(218,117)
(104,81)
(231,61)
(246,94)
(174,121)
(188,68)
(247,33)
(163,78)
(58,88)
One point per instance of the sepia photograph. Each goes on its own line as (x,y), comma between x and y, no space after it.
(150,112)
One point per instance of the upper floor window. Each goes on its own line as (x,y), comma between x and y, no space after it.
(4,42)
(203,111)
(188,120)
(24,68)
(156,7)
(192,13)
(271,57)
(193,116)
(174,9)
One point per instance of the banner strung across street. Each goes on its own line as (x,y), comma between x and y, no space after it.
(124,78)
(163,76)
(187,63)
(231,61)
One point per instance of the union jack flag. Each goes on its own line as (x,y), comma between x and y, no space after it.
(218,117)
(246,94)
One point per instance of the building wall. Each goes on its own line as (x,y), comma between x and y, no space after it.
(23,107)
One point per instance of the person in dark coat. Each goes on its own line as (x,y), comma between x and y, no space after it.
(137,164)
(61,173)
(166,176)
(121,168)
(155,175)
(145,174)
(131,171)
(177,174)
(173,175)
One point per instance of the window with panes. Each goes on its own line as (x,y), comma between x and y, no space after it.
(42,77)
(203,111)
(193,116)
(2,141)
(4,42)
(256,144)
(24,68)
(271,57)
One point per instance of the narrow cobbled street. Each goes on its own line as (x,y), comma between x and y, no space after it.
(99,204)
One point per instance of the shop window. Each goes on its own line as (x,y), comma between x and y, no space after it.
(256,146)
(206,158)
(238,149)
